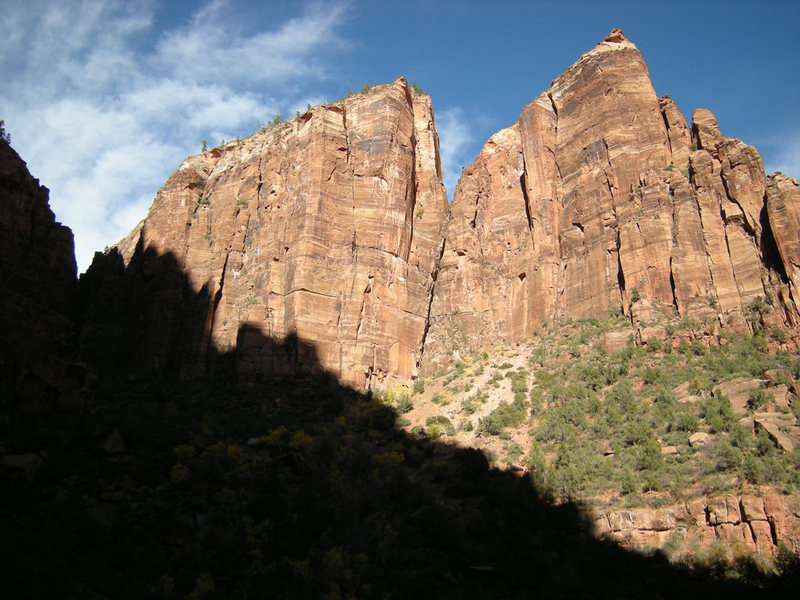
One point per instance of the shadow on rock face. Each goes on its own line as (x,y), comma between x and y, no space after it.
(265,477)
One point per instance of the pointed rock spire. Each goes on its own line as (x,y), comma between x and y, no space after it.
(616,35)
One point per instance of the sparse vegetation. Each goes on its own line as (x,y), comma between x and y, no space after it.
(599,421)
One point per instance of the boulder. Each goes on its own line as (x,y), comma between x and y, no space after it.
(699,440)
(769,423)
(737,391)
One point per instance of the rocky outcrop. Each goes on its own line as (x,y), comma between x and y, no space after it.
(783,220)
(758,523)
(327,227)
(37,278)
(601,198)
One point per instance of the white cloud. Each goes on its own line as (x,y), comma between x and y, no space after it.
(455,141)
(102,118)
(783,154)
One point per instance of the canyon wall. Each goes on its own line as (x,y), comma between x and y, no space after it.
(37,279)
(327,227)
(334,228)
(601,198)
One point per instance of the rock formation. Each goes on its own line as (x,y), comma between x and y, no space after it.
(601,198)
(758,523)
(327,227)
(37,277)
(334,227)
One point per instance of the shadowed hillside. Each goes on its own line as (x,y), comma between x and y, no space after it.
(257,483)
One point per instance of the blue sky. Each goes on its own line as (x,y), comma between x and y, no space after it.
(104,99)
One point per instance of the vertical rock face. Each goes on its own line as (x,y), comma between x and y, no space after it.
(783,212)
(600,197)
(37,272)
(335,228)
(328,227)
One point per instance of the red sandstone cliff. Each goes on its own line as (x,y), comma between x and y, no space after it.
(334,227)
(601,198)
(328,227)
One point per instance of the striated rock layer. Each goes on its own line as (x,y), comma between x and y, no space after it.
(327,227)
(758,523)
(599,198)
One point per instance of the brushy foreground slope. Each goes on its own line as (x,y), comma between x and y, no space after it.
(303,488)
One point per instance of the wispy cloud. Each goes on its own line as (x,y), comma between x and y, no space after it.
(782,154)
(102,117)
(456,139)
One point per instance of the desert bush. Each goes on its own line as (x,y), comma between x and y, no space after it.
(505,415)
(628,482)
(513,452)
(184,452)
(403,404)
(664,404)
(726,457)
(756,399)
(440,421)
(717,412)
(648,455)
(654,344)
(468,405)
(764,445)
(652,375)
(685,421)
(442,398)
(739,437)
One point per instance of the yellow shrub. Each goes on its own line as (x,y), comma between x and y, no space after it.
(183,452)
(179,473)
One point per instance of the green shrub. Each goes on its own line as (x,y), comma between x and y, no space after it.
(184,452)
(435,432)
(739,437)
(648,455)
(442,398)
(685,421)
(664,404)
(403,404)
(628,483)
(653,375)
(764,445)
(503,416)
(726,457)
(757,398)
(654,344)
(440,421)
(418,431)
(513,452)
